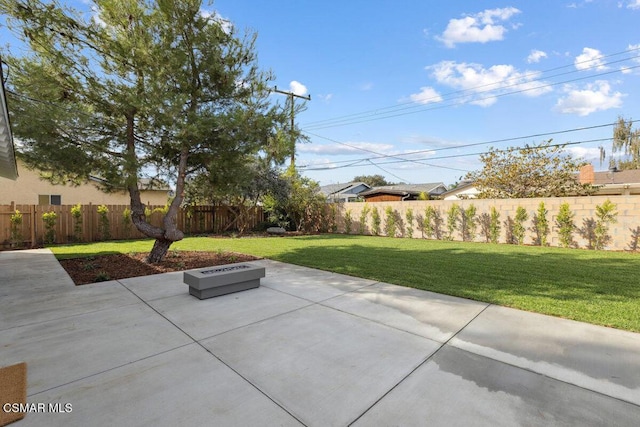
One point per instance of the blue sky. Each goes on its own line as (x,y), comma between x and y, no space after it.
(389,78)
(452,74)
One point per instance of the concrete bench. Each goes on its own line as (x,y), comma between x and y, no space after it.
(223,279)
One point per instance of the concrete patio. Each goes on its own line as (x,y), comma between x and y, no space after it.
(306,348)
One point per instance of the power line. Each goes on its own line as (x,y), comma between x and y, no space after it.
(380,155)
(429,150)
(472,89)
(394,111)
(441,106)
(386,171)
(564,144)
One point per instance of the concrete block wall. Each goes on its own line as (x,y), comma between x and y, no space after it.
(628,208)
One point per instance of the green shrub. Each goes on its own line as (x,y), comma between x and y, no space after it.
(76,214)
(518,225)
(363,218)
(635,239)
(468,223)
(16,228)
(102,276)
(494,225)
(390,223)
(409,216)
(104,228)
(126,221)
(607,215)
(566,226)
(348,221)
(452,220)
(333,214)
(375,219)
(541,225)
(427,222)
(49,219)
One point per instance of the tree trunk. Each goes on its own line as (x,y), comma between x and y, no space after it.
(159,250)
(170,233)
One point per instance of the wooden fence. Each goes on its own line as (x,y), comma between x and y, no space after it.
(31,233)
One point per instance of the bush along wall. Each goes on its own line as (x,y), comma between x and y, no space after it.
(591,222)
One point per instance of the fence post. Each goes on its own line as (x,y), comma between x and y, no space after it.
(90,222)
(32,208)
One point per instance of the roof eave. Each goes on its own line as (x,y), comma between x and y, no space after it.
(8,164)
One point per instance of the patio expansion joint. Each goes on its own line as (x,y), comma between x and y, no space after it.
(70,316)
(218,358)
(109,370)
(321,301)
(421,363)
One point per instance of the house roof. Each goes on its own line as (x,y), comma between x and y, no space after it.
(404,189)
(331,189)
(8,165)
(461,187)
(631,176)
(143,183)
(153,184)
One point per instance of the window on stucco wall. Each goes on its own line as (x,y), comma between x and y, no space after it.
(49,199)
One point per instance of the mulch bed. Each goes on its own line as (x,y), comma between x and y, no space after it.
(120,266)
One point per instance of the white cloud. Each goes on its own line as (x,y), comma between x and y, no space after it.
(339,149)
(483,84)
(535,56)
(425,96)
(96,18)
(594,97)
(590,59)
(227,25)
(586,153)
(477,28)
(634,4)
(297,88)
(577,5)
(325,98)
(627,69)
(366,86)
(432,142)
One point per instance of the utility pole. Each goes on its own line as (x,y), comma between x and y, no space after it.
(291,96)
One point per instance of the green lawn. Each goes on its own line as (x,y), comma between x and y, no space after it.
(591,286)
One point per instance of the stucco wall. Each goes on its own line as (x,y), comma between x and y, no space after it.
(628,208)
(25,191)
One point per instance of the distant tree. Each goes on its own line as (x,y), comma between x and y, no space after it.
(300,207)
(626,141)
(241,187)
(532,171)
(372,180)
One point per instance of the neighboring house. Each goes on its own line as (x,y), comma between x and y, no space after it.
(29,189)
(8,166)
(612,182)
(343,192)
(607,183)
(464,190)
(400,192)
